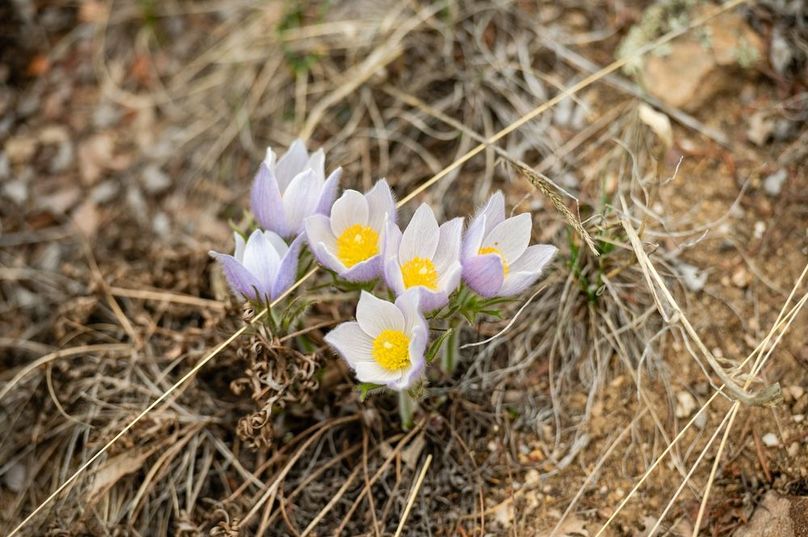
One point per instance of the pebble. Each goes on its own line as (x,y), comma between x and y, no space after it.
(685,405)
(773,183)
(105,191)
(796,392)
(14,478)
(154,180)
(741,278)
(794,449)
(694,278)
(17,190)
(770,440)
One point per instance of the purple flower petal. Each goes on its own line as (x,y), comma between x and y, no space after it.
(431,300)
(365,271)
(473,238)
(484,274)
(266,202)
(239,278)
(287,271)
(329,192)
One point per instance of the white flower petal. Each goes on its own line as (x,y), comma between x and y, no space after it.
(351,342)
(373,372)
(473,237)
(448,249)
(318,229)
(380,203)
(494,211)
(535,258)
(375,315)
(277,243)
(351,208)
(261,259)
(301,198)
(450,278)
(510,237)
(409,304)
(317,163)
(291,164)
(239,252)
(420,239)
(516,282)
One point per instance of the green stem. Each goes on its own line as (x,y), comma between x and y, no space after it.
(406,408)
(450,348)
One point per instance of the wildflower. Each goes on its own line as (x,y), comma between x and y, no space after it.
(349,240)
(496,258)
(425,257)
(263,268)
(386,343)
(285,192)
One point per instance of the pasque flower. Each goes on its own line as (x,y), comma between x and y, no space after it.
(496,258)
(262,268)
(425,257)
(288,190)
(386,343)
(349,240)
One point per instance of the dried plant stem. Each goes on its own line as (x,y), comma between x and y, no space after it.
(413,494)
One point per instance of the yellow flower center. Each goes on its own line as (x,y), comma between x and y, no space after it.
(356,244)
(391,350)
(493,250)
(420,271)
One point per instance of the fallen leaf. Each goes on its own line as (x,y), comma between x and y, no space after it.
(659,123)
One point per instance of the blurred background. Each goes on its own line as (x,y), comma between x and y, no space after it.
(130,132)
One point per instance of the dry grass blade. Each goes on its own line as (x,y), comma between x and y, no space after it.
(413,494)
(769,395)
(114,348)
(784,319)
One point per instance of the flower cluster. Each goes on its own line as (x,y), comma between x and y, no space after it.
(431,269)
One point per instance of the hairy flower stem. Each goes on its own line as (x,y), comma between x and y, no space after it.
(450,348)
(406,409)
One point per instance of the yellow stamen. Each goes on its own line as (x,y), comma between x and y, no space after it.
(420,271)
(493,250)
(356,244)
(391,350)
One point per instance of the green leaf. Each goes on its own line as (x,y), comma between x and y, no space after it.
(366,388)
(437,344)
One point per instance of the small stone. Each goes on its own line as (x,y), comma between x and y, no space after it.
(686,404)
(17,190)
(773,184)
(154,180)
(693,277)
(21,148)
(770,440)
(105,191)
(759,229)
(741,278)
(760,129)
(801,406)
(796,391)
(14,478)
(701,420)
(794,449)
